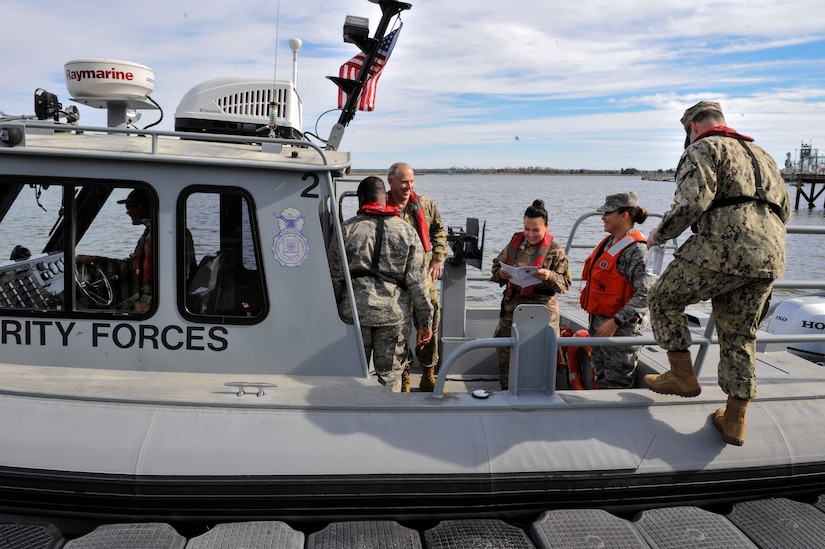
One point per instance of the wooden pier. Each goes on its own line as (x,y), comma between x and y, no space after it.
(801,181)
(808,169)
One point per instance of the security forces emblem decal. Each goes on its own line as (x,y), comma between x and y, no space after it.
(290,247)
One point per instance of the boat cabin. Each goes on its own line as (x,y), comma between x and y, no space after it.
(232,275)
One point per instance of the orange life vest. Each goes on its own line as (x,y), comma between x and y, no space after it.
(607,291)
(143,259)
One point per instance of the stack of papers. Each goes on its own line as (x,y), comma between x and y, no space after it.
(521,276)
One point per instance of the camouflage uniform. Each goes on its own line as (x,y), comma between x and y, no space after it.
(544,293)
(384,308)
(428,354)
(634,319)
(732,258)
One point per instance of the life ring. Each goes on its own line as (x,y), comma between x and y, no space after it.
(562,377)
(574,362)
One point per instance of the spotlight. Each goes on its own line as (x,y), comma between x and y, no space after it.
(356,28)
(46,105)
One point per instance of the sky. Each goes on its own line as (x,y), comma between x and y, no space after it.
(591,84)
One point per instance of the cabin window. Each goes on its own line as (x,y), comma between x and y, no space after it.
(347,205)
(223,281)
(77,246)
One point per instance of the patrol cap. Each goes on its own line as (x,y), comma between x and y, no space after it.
(694,111)
(615,202)
(136,197)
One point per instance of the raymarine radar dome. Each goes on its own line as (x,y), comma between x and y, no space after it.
(108,79)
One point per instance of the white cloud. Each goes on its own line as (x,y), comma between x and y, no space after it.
(588,84)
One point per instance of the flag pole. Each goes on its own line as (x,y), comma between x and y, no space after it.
(353,89)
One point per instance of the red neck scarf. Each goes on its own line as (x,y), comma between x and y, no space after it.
(421,225)
(726,132)
(377,208)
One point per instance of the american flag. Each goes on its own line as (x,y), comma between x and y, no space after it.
(351,68)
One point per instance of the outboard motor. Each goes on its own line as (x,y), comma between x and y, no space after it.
(801,315)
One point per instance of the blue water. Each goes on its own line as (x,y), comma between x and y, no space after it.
(502,199)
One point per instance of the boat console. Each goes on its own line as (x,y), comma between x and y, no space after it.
(32,282)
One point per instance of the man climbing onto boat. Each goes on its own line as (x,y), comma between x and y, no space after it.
(386,262)
(422,215)
(731,194)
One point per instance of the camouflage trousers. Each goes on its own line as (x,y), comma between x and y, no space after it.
(737,301)
(428,354)
(505,328)
(616,366)
(387,345)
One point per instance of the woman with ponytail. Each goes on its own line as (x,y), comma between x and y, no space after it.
(534,246)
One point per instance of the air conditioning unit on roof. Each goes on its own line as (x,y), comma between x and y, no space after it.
(238,106)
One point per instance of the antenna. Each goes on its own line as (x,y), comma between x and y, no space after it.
(273,105)
(273,114)
(295,45)
(277,28)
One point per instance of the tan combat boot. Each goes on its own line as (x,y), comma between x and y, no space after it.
(427,379)
(730,420)
(679,380)
(406,385)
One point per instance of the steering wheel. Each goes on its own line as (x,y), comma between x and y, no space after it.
(94,284)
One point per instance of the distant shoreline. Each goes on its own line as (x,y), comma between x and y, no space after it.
(657,175)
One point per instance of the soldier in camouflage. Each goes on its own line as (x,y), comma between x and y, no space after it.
(533,246)
(386,262)
(731,194)
(422,215)
(615,296)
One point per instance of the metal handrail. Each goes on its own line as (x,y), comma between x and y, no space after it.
(154,135)
(703,342)
(673,243)
(466,347)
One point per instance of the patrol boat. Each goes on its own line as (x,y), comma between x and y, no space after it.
(209,378)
